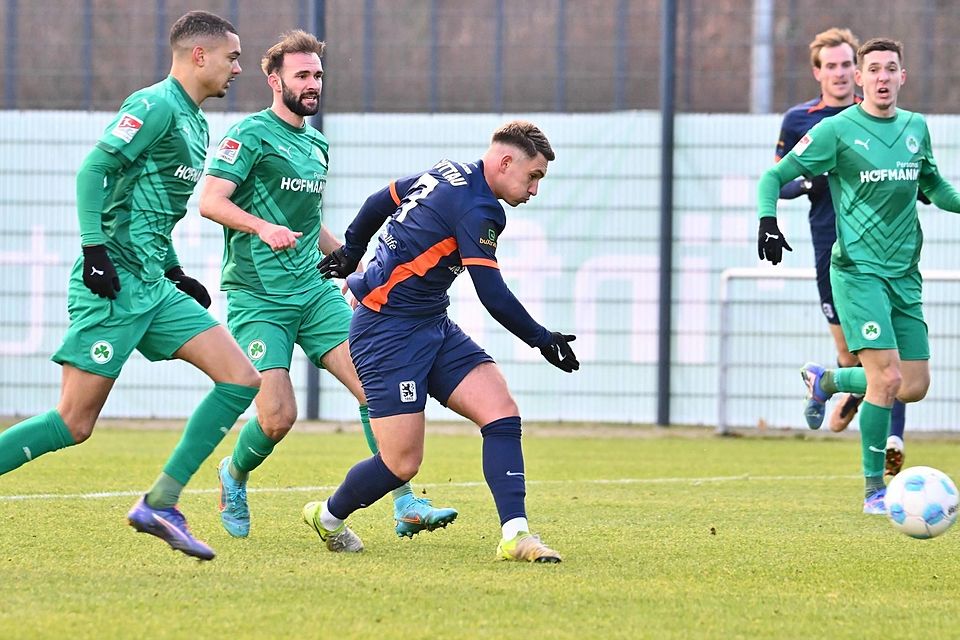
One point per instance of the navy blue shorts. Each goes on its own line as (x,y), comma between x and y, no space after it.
(400,360)
(822,247)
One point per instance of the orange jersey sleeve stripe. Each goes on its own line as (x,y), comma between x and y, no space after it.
(393,192)
(416,267)
(482,262)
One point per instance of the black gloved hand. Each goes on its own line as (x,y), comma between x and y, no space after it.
(338,264)
(922,197)
(770,241)
(559,354)
(816,186)
(99,274)
(190,286)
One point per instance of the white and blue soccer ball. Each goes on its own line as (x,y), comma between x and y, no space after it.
(921,502)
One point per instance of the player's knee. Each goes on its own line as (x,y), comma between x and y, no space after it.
(890,381)
(80,428)
(913,390)
(249,377)
(276,422)
(404,466)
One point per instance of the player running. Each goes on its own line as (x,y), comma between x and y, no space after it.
(833,57)
(876,156)
(265,186)
(128,291)
(404,345)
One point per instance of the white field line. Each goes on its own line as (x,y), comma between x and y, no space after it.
(100,495)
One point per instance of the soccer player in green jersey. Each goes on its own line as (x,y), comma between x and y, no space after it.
(876,156)
(265,186)
(128,291)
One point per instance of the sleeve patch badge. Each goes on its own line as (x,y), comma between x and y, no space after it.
(228,150)
(803,144)
(490,240)
(127,127)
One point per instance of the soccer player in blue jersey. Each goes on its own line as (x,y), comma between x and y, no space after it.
(833,59)
(128,291)
(404,345)
(265,186)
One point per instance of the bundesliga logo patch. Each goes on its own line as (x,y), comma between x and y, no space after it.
(127,127)
(228,150)
(801,146)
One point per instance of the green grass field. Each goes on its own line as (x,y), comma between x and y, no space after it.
(662,537)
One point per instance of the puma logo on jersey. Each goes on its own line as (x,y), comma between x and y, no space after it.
(147,103)
(864,144)
(286,150)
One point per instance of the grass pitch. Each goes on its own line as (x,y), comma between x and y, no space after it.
(662,537)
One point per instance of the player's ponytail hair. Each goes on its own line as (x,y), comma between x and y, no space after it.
(296,41)
(832,38)
(526,136)
(881,44)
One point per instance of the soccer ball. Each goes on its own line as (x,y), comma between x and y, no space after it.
(921,502)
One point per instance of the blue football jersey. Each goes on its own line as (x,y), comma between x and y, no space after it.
(796,122)
(446,219)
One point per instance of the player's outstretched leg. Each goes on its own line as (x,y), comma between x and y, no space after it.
(338,539)
(414,515)
(816,398)
(170,526)
(234,513)
(844,411)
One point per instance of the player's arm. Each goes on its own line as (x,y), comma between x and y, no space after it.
(99,274)
(932,184)
(216,205)
(480,260)
(345,259)
(770,240)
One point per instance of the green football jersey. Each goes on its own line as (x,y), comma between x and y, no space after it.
(874,166)
(162,137)
(280,172)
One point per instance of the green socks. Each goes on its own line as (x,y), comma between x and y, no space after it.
(404,489)
(32,438)
(253,447)
(205,429)
(874,427)
(846,380)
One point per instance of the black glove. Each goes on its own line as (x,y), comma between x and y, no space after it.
(922,197)
(190,286)
(338,264)
(770,240)
(99,274)
(816,186)
(559,354)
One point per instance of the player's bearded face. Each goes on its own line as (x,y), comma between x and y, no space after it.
(303,103)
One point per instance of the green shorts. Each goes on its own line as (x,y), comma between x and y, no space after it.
(881,313)
(266,326)
(155,318)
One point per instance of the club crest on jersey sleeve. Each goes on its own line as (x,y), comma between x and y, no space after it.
(228,150)
(127,127)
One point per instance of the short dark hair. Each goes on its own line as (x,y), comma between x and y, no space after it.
(880,44)
(525,136)
(296,41)
(199,23)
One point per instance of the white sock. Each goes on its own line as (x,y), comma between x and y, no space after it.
(329,521)
(514,526)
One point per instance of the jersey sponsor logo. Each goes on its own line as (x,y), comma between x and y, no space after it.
(801,146)
(408,391)
(450,173)
(870,330)
(908,171)
(228,150)
(127,127)
(863,143)
(300,184)
(913,145)
(190,174)
(490,240)
(101,352)
(256,349)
